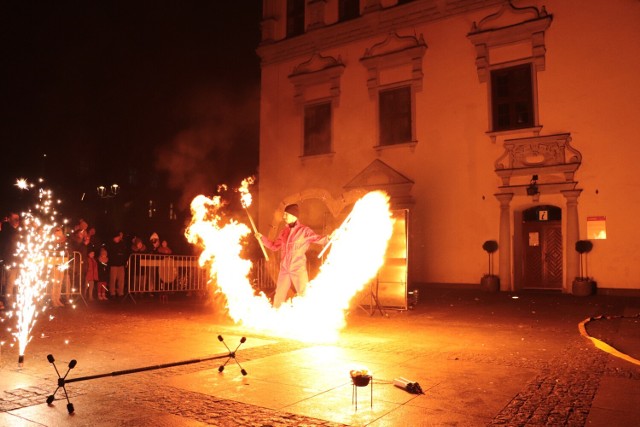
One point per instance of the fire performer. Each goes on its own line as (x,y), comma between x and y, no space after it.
(293,241)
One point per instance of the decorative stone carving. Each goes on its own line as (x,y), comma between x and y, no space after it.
(508,25)
(536,155)
(394,50)
(317,70)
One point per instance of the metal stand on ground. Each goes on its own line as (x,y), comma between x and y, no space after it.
(354,391)
(63,381)
(232,355)
(374,302)
(130,295)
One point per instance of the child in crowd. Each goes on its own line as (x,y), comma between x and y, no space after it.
(164,248)
(92,273)
(103,274)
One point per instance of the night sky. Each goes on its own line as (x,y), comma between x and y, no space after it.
(161,97)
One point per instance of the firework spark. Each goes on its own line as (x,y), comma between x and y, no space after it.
(22,184)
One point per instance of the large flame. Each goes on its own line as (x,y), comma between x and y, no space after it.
(356,255)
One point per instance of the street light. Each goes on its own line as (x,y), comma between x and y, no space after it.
(104,194)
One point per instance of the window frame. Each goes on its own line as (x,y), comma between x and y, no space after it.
(295,19)
(386,89)
(345,12)
(512,100)
(314,104)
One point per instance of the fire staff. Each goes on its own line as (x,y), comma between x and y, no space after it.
(293,241)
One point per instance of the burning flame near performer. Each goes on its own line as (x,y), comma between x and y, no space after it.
(34,247)
(318,315)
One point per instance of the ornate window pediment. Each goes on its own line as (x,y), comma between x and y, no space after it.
(549,154)
(394,51)
(510,25)
(317,70)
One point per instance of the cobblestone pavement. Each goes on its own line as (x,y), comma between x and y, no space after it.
(535,334)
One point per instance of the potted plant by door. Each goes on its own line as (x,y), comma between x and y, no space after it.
(490,282)
(583,285)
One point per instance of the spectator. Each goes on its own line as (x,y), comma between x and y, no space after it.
(103,273)
(79,253)
(155,243)
(60,273)
(118,256)
(8,245)
(164,248)
(140,272)
(153,271)
(92,273)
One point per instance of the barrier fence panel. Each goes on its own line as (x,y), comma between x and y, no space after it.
(62,274)
(264,275)
(149,273)
(65,277)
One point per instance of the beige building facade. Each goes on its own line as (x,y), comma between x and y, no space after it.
(484,120)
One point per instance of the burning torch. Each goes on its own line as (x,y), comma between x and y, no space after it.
(245,200)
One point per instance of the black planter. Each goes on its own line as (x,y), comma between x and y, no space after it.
(583,287)
(490,283)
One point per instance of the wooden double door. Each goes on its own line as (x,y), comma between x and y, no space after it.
(542,255)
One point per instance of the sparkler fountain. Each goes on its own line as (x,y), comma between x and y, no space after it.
(34,247)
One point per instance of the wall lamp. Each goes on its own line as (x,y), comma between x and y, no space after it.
(532,189)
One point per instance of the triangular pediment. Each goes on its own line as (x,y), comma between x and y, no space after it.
(380,176)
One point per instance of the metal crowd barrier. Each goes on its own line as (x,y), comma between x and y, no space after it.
(68,272)
(64,275)
(265,275)
(151,273)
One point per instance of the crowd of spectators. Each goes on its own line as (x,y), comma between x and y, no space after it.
(98,265)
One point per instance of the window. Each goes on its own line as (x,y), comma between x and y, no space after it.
(348,9)
(512,98)
(317,129)
(395,115)
(295,17)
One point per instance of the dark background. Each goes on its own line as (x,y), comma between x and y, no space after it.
(159,97)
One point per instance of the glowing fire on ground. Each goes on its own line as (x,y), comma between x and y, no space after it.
(34,248)
(318,315)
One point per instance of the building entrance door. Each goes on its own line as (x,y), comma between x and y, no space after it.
(542,255)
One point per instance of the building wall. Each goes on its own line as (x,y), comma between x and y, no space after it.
(589,88)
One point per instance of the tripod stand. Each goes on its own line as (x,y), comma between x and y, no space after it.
(374,302)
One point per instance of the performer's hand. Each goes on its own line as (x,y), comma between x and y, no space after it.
(258,235)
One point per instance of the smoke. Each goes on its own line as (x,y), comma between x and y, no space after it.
(217,142)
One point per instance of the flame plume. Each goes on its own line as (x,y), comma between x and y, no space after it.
(319,314)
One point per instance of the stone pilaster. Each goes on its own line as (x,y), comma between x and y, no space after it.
(572,236)
(504,241)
